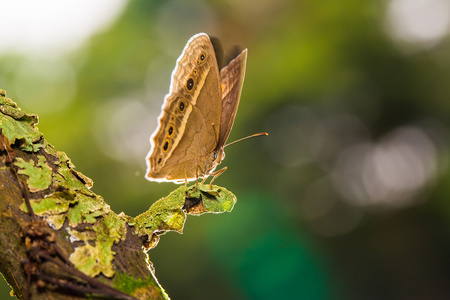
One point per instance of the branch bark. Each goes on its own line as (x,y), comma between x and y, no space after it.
(59,240)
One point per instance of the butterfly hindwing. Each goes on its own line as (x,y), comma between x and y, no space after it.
(232,79)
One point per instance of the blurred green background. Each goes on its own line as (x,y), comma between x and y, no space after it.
(347,198)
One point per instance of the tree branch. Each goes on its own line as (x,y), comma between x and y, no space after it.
(60,240)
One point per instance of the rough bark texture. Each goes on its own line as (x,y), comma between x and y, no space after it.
(59,240)
(24,252)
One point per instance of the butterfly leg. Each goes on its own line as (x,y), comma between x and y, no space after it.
(204,179)
(198,170)
(196,178)
(215,175)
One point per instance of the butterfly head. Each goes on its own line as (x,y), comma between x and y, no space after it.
(215,158)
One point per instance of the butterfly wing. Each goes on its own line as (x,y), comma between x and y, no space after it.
(232,79)
(189,123)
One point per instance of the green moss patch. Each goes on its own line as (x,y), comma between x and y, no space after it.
(169,213)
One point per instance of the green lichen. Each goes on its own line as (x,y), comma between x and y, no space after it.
(50,149)
(24,131)
(69,196)
(39,174)
(76,203)
(18,131)
(70,179)
(215,200)
(93,260)
(164,215)
(55,204)
(167,214)
(86,209)
(53,208)
(66,198)
(116,226)
(96,255)
(138,287)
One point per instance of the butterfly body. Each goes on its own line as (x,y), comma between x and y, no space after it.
(197,114)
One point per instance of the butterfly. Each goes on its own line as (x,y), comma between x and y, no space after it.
(197,115)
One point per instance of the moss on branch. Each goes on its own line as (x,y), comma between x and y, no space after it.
(75,240)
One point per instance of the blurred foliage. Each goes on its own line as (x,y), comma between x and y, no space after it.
(346,198)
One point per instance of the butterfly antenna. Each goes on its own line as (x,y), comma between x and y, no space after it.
(247,137)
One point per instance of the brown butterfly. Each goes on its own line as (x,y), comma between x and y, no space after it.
(197,115)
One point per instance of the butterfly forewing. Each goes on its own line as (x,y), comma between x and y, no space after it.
(189,123)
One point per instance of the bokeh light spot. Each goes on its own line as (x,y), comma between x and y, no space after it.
(123,129)
(391,172)
(51,25)
(420,22)
(44,85)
